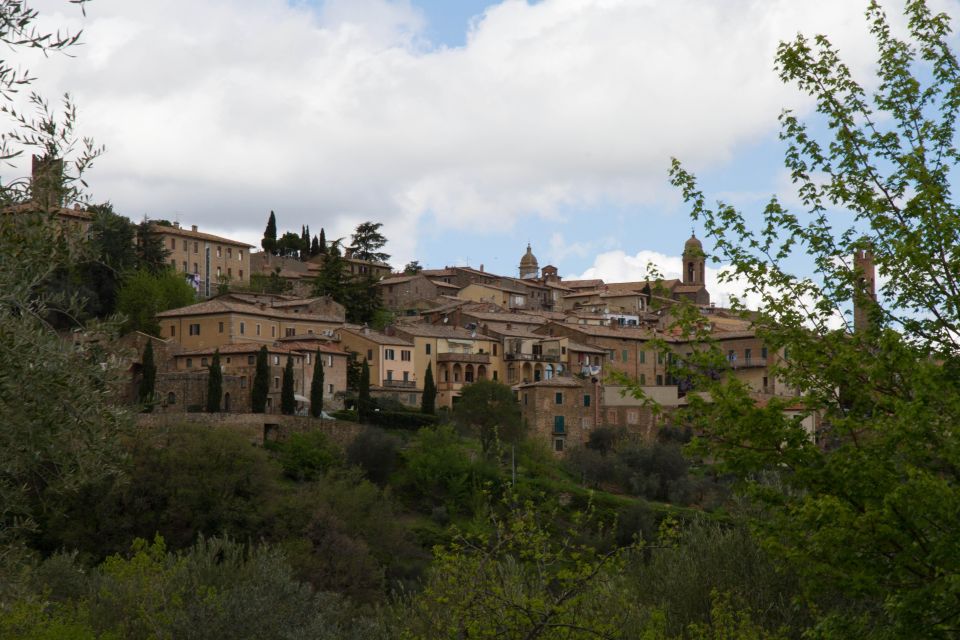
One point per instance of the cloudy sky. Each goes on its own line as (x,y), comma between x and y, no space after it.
(467,127)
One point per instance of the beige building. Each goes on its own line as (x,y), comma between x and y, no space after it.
(390,358)
(459,357)
(412,292)
(209,259)
(495,294)
(220,321)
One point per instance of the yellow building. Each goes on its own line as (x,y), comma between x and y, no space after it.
(459,357)
(221,321)
(208,258)
(390,359)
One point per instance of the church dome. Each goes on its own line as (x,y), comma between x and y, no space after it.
(693,244)
(528,259)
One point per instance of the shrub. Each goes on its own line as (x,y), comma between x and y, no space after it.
(307,456)
(348,415)
(375,452)
(402,419)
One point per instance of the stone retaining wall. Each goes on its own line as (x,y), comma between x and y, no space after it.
(257,426)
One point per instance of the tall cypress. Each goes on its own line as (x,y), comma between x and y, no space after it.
(363,393)
(148,382)
(214,384)
(261,383)
(429,400)
(323,241)
(269,242)
(315,247)
(316,386)
(288,404)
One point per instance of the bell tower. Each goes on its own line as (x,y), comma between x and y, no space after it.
(694,261)
(865,293)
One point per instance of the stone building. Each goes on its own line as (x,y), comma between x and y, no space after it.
(561,411)
(390,358)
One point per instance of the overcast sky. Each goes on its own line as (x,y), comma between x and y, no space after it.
(468,131)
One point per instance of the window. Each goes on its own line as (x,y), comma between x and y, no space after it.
(243,382)
(184,266)
(586,400)
(173,263)
(611,416)
(220,327)
(241,274)
(525,398)
(290,332)
(196,247)
(612,354)
(413,398)
(765,385)
(276,359)
(389,374)
(747,353)
(623,355)
(369,354)
(405,355)
(258,328)
(329,361)
(330,388)
(427,348)
(643,379)
(388,354)
(173,244)
(219,252)
(494,348)
(173,330)
(558,444)
(632,416)
(251,359)
(731,355)
(229,252)
(643,357)
(229,272)
(558,424)
(558,397)
(219,272)
(659,357)
(184,245)
(203,362)
(195,329)
(189,363)
(494,376)
(563,351)
(273,332)
(276,382)
(763,352)
(406,376)
(309,358)
(196,268)
(243,328)
(659,380)
(586,423)
(240,257)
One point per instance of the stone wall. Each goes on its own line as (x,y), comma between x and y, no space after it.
(256,426)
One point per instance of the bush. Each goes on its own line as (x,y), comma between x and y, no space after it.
(657,471)
(375,452)
(347,415)
(307,456)
(402,419)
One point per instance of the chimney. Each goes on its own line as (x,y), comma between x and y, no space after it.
(864,294)
(46,182)
(193,228)
(176,225)
(481,267)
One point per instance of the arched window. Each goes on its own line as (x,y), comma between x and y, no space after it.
(171,398)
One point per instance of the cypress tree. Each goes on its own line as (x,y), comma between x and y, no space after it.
(315,247)
(316,387)
(323,241)
(261,383)
(149,380)
(363,393)
(288,404)
(269,242)
(214,384)
(429,400)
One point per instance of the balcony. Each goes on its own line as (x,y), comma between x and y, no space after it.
(747,363)
(400,384)
(532,357)
(465,358)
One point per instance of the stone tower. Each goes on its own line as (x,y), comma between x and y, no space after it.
(694,262)
(529,267)
(865,294)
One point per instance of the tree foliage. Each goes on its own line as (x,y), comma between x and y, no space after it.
(429,399)
(260,388)
(144,295)
(364,403)
(488,409)
(288,403)
(871,510)
(148,382)
(214,384)
(316,386)
(367,241)
(269,241)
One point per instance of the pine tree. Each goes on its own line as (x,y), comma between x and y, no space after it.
(149,380)
(316,387)
(269,242)
(214,384)
(261,383)
(366,241)
(315,247)
(288,403)
(363,394)
(323,241)
(429,400)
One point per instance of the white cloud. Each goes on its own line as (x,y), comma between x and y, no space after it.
(221,110)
